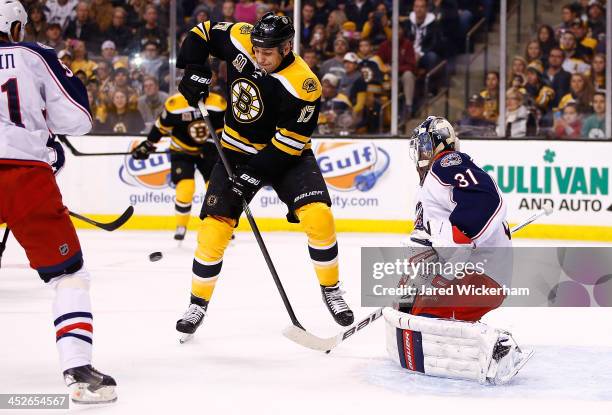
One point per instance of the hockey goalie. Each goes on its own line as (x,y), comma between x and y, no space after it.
(460,221)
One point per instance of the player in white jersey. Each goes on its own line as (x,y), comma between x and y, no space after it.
(460,221)
(38,97)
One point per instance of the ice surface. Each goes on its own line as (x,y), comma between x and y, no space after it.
(238,362)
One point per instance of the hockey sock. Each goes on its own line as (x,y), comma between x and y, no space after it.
(73,319)
(318,223)
(184,195)
(213,237)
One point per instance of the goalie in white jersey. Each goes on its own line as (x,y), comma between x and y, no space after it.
(40,97)
(460,220)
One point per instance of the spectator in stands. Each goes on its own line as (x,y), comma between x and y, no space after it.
(594,126)
(579,30)
(163,11)
(570,124)
(308,23)
(36,27)
(151,61)
(335,65)
(335,20)
(104,77)
(520,122)
(491,96)
(576,55)
(81,27)
(475,124)
(118,32)
(312,60)
(558,78)
(262,9)
(518,67)
(246,11)
(546,40)
(580,92)
(370,121)
(446,14)
(598,74)
(109,53)
(151,104)
(199,15)
(121,119)
(150,30)
(407,68)
(60,11)
(121,80)
(539,93)
(352,84)
(377,28)
(372,67)
(569,12)
(358,11)
(54,37)
(323,9)
(336,109)
(227,12)
(80,60)
(135,12)
(98,110)
(533,52)
(101,12)
(425,35)
(597,19)
(318,41)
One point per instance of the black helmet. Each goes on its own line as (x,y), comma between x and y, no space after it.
(272,31)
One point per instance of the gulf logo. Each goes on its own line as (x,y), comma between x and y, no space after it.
(350,165)
(153,173)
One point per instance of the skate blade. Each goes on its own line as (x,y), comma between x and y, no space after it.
(81,395)
(526,355)
(185,338)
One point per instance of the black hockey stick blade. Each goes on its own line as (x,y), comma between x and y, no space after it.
(306,339)
(78,153)
(110,226)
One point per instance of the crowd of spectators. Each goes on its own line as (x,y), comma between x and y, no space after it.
(556,89)
(119,49)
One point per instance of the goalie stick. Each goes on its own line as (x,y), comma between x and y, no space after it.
(303,338)
(78,153)
(110,226)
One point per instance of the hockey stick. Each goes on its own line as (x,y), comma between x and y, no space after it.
(110,226)
(249,215)
(310,341)
(78,153)
(3,243)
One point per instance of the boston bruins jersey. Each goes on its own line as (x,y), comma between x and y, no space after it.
(270,115)
(184,124)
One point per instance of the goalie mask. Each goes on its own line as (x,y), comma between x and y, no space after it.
(430,138)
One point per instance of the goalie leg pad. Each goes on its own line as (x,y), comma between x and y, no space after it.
(452,349)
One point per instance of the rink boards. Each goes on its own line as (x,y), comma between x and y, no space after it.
(372,184)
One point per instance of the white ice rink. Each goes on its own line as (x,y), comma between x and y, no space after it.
(240,363)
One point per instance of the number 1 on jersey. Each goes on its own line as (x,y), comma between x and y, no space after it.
(463,182)
(12,92)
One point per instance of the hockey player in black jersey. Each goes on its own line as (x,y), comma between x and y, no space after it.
(190,148)
(272,111)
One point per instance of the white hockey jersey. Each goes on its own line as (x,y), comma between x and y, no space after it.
(38,96)
(456,193)
(60,13)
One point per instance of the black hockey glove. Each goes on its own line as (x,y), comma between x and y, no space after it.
(142,150)
(245,184)
(195,84)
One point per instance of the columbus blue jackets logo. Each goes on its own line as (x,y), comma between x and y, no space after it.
(153,172)
(350,165)
(452,159)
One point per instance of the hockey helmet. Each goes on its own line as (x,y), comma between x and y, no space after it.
(12,12)
(272,31)
(431,137)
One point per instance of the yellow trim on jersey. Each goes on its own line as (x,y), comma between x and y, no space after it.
(300,81)
(202,29)
(215,102)
(293,135)
(231,147)
(164,129)
(182,145)
(236,136)
(176,104)
(285,148)
(240,34)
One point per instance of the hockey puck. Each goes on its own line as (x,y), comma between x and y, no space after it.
(155,256)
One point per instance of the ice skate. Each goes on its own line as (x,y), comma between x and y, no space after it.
(89,386)
(179,235)
(508,359)
(332,296)
(190,322)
